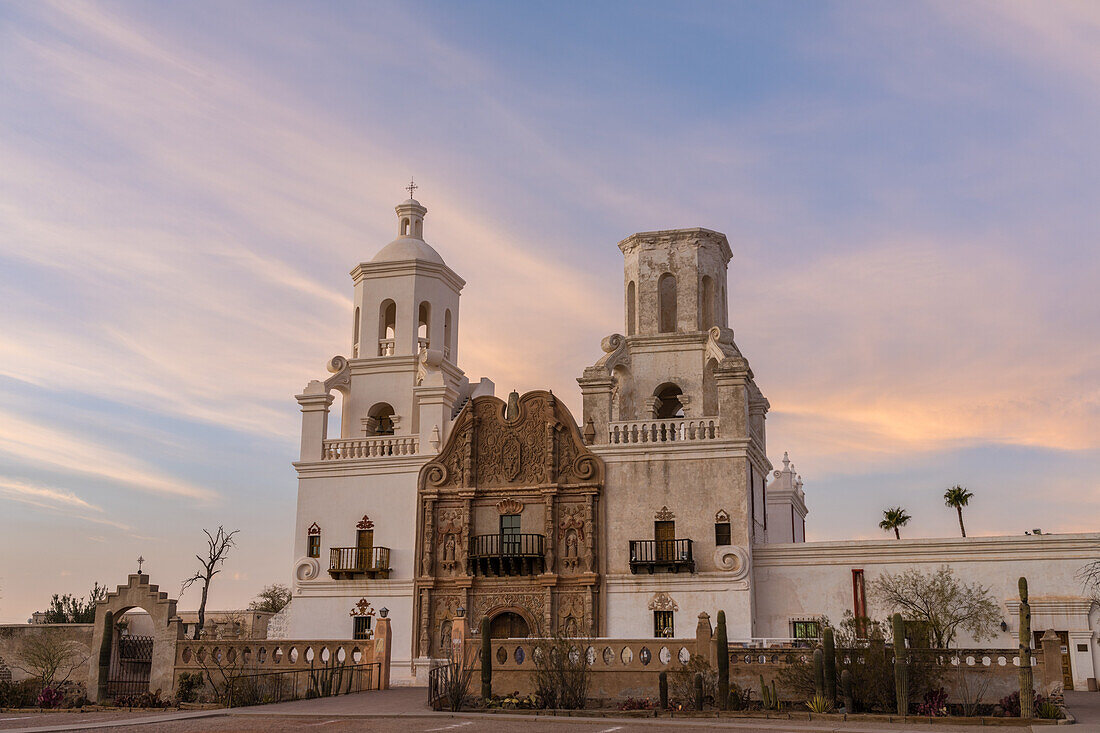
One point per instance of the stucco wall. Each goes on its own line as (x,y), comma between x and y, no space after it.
(13,636)
(811,579)
(694,483)
(386,492)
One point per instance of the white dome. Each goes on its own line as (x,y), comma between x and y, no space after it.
(408,248)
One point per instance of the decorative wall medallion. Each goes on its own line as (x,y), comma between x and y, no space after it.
(733,559)
(362,608)
(721,516)
(314,530)
(510,457)
(662,602)
(509,506)
(365,523)
(665,515)
(307,568)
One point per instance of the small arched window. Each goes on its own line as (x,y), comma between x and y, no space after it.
(668,402)
(381,422)
(387,327)
(404,227)
(313,541)
(355,335)
(706,304)
(423,324)
(631,309)
(447,333)
(418,229)
(666,297)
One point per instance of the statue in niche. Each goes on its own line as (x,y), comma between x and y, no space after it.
(571,627)
(571,543)
(445,638)
(449,548)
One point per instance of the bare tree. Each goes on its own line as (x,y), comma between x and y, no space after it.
(1089,575)
(942,601)
(49,658)
(218,546)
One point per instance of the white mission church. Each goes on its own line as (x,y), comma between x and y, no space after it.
(656,504)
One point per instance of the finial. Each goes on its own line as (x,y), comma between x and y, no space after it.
(411,187)
(140,561)
(786,461)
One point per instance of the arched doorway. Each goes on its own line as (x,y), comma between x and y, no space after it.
(131,653)
(508,625)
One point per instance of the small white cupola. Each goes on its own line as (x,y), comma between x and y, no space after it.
(410,244)
(410,215)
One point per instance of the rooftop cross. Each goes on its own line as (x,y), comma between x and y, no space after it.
(140,561)
(411,187)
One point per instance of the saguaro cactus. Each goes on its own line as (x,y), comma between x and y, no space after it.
(486,660)
(901,666)
(828,644)
(846,690)
(819,672)
(721,641)
(1027,690)
(662,686)
(768,696)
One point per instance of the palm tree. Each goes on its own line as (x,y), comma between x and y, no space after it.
(894,518)
(958,497)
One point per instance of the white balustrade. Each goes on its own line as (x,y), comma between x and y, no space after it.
(672,430)
(385,347)
(382,446)
(423,344)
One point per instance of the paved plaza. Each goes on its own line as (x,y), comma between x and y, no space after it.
(404,709)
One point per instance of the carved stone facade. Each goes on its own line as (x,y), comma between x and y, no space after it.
(507,517)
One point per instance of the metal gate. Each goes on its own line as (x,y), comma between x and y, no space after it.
(130,664)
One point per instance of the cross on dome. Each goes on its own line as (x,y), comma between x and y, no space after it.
(411,187)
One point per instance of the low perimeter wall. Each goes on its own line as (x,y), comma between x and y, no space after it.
(624,668)
(620,667)
(14,636)
(233,658)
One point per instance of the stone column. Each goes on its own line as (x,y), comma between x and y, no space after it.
(1051,682)
(550,528)
(314,403)
(383,650)
(460,637)
(704,643)
(596,400)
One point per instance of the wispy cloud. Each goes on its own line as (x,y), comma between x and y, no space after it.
(58,502)
(49,446)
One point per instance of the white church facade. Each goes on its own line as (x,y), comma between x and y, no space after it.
(656,504)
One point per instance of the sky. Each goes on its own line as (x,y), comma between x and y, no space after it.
(911,192)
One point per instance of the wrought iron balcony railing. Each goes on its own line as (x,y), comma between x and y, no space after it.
(670,555)
(349,562)
(507,554)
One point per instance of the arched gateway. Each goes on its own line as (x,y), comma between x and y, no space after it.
(128,664)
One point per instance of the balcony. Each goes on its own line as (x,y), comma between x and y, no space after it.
(381,446)
(349,563)
(670,555)
(672,430)
(512,554)
(385,347)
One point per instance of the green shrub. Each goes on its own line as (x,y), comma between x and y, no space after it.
(1049,710)
(22,694)
(188,687)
